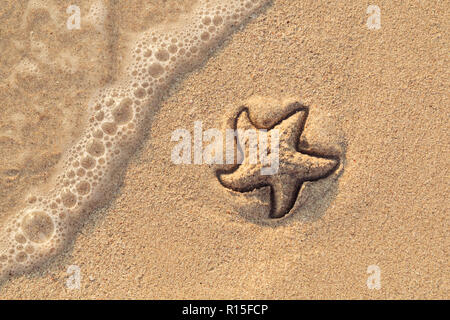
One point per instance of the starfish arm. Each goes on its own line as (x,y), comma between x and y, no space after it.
(284,194)
(243,121)
(245,178)
(309,168)
(291,128)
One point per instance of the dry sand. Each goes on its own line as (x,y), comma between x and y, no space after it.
(173,231)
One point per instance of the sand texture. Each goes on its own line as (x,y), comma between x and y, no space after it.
(363,179)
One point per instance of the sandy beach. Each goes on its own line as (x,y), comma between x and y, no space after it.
(377,100)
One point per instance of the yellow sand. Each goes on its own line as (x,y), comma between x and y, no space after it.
(174,232)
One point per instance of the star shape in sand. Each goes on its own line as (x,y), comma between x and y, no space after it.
(295,165)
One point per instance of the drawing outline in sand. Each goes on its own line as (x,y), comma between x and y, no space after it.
(295,165)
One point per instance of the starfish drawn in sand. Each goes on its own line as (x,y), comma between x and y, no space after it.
(295,166)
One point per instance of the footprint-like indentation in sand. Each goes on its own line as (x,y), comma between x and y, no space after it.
(295,164)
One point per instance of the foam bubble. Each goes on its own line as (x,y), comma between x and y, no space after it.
(162,55)
(68,199)
(156,70)
(37,226)
(96,147)
(83,188)
(123,113)
(87,162)
(109,128)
